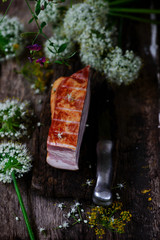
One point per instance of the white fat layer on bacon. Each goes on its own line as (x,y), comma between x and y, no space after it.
(62,158)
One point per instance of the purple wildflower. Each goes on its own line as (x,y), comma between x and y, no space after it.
(34,47)
(41,61)
(30,59)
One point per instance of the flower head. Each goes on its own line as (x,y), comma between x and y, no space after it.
(41,61)
(94,45)
(13,157)
(118,196)
(65,224)
(15,46)
(77,204)
(60,135)
(61,205)
(69,97)
(10,37)
(120,185)
(101,5)
(112,218)
(17,218)
(79,16)
(51,13)
(89,182)
(34,47)
(38,124)
(73,209)
(41,229)
(14,118)
(121,68)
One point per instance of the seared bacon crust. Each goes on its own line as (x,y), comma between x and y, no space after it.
(68,97)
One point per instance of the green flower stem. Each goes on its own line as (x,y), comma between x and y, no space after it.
(40,29)
(6,11)
(120,32)
(22,207)
(133,18)
(30,9)
(119,2)
(79,213)
(136,10)
(38,26)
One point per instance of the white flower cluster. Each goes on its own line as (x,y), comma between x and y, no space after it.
(73,216)
(51,14)
(13,157)
(89,182)
(44,2)
(121,68)
(53,44)
(14,118)
(86,24)
(101,5)
(61,205)
(94,44)
(11,42)
(75,213)
(79,16)
(65,224)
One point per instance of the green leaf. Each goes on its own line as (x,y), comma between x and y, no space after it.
(43,24)
(28,34)
(3,42)
(38,8)
(51,44)
(59,62)
(66,64)
(51,50)
(62,47)
(60,1)
(71,55)
(45,5)
(31,20)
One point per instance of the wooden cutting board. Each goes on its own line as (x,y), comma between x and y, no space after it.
(63,183)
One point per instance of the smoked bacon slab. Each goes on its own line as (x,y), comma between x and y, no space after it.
(70,98)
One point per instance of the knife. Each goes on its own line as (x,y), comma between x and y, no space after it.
(102,194)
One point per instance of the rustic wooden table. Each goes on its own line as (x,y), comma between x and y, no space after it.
(133,112)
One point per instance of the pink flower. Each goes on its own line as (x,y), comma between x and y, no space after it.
(41,61)
(34,47)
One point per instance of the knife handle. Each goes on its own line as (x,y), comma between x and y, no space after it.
(102,193)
